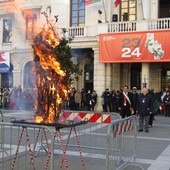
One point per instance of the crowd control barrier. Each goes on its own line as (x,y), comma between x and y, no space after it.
(19,144)
(93,135)
(30,146)
(121,143)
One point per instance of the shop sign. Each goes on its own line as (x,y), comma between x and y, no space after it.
(4,62)
(150,46)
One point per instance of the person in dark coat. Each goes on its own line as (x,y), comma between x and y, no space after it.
(125,103)
(94,99)
(166,101)
(134,99)
(88,100)
(144,109)
(113,100)
(107,100)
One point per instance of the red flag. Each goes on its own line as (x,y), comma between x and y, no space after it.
(117,2)
(88,2)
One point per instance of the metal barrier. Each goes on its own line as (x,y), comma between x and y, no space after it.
(19,145)
(121,143)
(92,136)
(35,146)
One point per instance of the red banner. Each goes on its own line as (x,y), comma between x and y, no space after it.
(88,2)
(150,46)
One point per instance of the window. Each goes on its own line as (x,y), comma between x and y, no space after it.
(128,10)
(7,30)
(31,24)
(77,13)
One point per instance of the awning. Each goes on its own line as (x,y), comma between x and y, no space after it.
(4,62)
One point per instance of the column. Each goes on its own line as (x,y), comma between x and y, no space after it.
(108,76)
(146,9)
(17,78)
(145,75)
(99,79)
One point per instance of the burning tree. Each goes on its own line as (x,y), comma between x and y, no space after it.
(53,68)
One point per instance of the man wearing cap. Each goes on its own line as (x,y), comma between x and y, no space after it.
(134,99)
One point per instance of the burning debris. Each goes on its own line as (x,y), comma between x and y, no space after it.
(53,68)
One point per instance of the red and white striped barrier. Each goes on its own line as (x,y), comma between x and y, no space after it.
(90,117)
(121,143)
(123,127)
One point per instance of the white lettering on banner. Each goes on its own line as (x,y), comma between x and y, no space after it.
(129,53)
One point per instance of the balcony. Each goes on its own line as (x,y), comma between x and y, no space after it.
(4,1)
(129,26)
(7,6)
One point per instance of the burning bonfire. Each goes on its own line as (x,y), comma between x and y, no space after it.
(53,68)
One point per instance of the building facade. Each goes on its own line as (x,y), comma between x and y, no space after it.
(20,20)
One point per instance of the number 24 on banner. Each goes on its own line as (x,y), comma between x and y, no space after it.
(127,52)
(130,47)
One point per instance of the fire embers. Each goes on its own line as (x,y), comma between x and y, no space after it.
(51,91)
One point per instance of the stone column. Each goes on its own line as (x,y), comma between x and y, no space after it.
(145,75)
(99,78)
(146,6)
(17,78)
(108,76)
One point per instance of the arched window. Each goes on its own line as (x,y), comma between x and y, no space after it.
(136,75)
(29,76)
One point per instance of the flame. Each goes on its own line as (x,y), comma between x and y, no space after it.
(51,92)
(39,119)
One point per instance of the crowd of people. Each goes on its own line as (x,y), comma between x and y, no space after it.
(16,98)
(146,104)
(81,100)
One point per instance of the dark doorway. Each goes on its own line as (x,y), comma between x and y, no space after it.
(88,76)
(136,75)
(165,75)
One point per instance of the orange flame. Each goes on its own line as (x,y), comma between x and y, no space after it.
(57,90)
